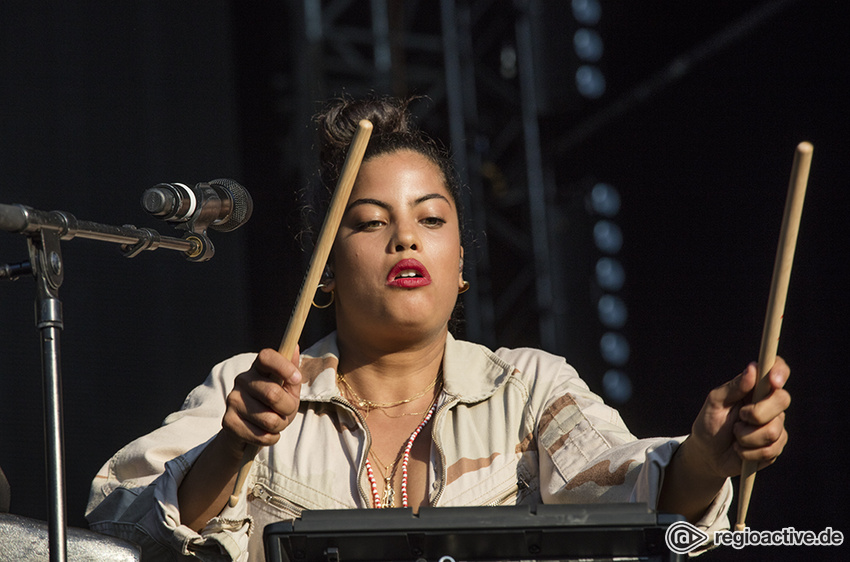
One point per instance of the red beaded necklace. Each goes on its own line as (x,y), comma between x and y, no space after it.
(405,460)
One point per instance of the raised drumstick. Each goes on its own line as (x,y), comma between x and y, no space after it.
(776,303)
(314,272)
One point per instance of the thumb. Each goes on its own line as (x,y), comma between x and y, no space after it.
(296,356)
(738,388)
(296,360)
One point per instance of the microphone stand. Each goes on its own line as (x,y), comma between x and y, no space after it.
(44,231)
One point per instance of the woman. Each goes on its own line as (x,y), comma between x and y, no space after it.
(390,410)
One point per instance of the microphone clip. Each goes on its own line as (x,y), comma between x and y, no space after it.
(210,208)
(220,204)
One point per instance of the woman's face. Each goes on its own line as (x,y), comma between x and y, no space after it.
(397,260)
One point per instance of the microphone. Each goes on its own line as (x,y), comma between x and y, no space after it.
(222,204)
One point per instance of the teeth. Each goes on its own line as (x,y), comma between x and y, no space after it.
(408,274)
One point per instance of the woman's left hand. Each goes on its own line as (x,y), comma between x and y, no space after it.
(730,428)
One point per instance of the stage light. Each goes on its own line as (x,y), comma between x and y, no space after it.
(617,385)
(588,12)
(588,45)
(612,311)
(615,348)
(508,62)
(590,81)
(605,199)
(610,274)
(608,236)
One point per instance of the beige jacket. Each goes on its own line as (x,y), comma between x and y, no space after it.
(511,426)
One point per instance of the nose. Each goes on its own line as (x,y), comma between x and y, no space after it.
(404,238)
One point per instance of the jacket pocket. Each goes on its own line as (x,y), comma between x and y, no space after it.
(288,508)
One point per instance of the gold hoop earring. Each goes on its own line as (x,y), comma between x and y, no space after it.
(464,288)
(330,302)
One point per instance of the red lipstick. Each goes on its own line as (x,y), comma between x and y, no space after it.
(408,274)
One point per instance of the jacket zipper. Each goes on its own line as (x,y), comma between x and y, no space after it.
(511,490)
(362,421)
(443,469)
(262,493)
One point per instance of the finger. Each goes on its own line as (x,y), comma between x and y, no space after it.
(779,373)
(736,389)
(763,455)
(268,393)
(752,437)
(265,408)
(266,419)
(250,421)
(277,367)
(767,408)
(281,399)
(265,392)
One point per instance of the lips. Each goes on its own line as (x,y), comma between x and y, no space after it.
(407,274)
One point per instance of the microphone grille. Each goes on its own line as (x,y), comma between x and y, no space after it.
(243,205)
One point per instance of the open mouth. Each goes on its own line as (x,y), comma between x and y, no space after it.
(408,273)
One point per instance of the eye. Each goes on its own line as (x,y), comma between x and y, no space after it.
(433,221)
(369,225)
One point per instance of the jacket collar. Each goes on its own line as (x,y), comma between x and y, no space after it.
(471,372)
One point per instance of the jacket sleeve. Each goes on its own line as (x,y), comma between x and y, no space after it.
(134,496)
(588,455)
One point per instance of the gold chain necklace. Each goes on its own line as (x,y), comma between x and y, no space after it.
(368,405)
(396,416)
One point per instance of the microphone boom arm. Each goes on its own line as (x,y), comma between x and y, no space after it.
(29,221)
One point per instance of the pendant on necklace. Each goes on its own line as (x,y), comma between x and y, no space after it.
(387,497)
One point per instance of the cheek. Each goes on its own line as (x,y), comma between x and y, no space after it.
(355,267)
(450,267)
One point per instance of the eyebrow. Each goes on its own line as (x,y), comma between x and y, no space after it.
(388,207)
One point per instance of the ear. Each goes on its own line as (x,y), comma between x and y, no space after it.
(460,271)
(328,281)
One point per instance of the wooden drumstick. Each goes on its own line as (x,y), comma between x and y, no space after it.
(314,272)
(776,303)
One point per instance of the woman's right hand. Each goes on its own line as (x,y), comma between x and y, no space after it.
(263,402)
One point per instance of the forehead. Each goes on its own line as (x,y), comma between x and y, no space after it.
(399,175)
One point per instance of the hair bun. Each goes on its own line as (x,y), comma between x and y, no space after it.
(338,122)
